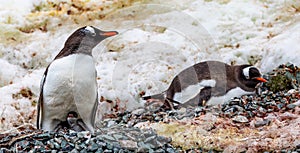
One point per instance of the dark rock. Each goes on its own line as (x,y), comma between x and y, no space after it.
(280,106)
(100,150)
(92,147)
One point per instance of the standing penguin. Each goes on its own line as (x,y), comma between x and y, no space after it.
(210,82)
(69,82)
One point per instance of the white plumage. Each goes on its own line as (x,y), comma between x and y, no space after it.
(70,85)
(236,92)
(192,90)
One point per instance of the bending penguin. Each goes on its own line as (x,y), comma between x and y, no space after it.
(210,83)
(69,82)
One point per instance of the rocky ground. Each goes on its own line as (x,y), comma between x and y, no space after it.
(259,32)
(267,122)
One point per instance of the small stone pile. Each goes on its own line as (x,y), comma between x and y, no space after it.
(113,139)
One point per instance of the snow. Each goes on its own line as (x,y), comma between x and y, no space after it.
(156,41)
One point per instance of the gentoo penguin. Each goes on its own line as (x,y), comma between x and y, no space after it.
(74,123)
(210,82)
(69,82)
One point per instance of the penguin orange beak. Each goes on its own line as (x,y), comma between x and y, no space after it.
(108,33)
(261,79)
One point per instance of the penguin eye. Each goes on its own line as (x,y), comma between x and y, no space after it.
(93,34)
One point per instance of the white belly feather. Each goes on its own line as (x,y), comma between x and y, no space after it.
(191,91)
(236,92)
(70,84)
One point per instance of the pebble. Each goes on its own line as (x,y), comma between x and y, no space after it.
(262,123)
(291,106)
(111,123)
(240,119)
(138,112)
(297,103)
(128,144)
(84,134)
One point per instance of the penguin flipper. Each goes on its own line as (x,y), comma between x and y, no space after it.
(40,102)
(39,111)
(160,96)
(168,102)
(95,108)
(80,126)
(94,113)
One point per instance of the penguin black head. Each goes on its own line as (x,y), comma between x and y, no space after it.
(252,75)
(83,40)
(71,118)
(72,114)
(88,36)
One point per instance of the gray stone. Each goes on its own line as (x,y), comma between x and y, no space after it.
(111,123)
(291,106)
(128,144)
(138,112)
(84,134)
(262,123)
(240,119)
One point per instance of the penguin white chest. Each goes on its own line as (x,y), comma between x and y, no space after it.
(69,80)
(236,92)
(193,90)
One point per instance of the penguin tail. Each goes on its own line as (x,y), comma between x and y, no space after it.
(160,96)
(168,102)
